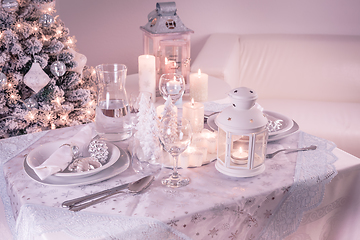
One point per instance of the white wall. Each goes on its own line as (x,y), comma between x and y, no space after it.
(108,31)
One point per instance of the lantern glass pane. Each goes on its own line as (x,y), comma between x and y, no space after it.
(221,145)
(260,148)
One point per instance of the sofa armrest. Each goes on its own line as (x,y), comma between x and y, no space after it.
(219,57)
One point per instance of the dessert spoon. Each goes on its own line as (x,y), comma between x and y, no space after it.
(80,203)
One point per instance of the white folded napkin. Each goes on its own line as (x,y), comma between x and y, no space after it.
(62,157)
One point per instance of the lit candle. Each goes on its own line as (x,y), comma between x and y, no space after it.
(199,86)
(194,112)
(239,155)
(147,75)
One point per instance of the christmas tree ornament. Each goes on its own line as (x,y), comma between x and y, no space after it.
(36,78)
(31,103)
(46,20)
(80,59)
(99,150)
(10,5)
(3,80)
(58,68)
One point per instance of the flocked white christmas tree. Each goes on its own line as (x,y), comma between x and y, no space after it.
(44,83)
(147,129)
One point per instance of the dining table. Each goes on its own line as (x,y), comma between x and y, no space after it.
(300,195)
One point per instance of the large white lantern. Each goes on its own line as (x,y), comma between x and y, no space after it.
(167,38)
(242,136)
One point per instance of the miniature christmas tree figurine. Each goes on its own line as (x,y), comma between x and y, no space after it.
(147,129)
(44,83)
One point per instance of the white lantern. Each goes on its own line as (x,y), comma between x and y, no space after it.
(242,136)
(167,38)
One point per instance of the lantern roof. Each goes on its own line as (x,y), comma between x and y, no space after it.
(165,20)
(243,116)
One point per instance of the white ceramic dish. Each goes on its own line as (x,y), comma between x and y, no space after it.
(38,155)
(287,123)
(120,165)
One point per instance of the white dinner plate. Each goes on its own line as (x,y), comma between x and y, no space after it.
(288,127)
(38,155)
(118,167)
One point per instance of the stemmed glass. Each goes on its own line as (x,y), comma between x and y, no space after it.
(173,85)
(175,137)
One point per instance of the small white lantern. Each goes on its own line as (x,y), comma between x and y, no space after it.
(168,39)
(242,136)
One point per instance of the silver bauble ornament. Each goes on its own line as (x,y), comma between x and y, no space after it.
(31,103)
(10,5)
(46,20)
(3,80)
(58,68)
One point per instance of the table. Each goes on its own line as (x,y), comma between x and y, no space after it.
(213,206)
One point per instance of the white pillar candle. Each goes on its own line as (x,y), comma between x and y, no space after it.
(194,112)
(147,75)
(199,86)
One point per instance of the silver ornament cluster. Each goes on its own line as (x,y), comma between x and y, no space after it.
(58,68)
(3,80)
(46,20)
(84,164)
(31,103)
(10,5)
(99,150)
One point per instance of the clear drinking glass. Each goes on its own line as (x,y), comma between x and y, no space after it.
(112,119)
(173,85)
(175,137)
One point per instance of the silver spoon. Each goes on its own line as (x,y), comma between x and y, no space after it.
(89,200)
(287,150)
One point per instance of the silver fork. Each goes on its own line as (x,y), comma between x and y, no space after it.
(287,150)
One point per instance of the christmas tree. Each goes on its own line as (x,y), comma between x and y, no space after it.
(44,82)
(147,128)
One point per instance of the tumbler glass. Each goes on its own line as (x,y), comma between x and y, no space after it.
(112,119)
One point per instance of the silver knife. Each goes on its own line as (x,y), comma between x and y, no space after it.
(90,197)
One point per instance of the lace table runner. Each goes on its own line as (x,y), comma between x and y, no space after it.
(213,206)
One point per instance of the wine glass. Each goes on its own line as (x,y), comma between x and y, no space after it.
(175,137)
(173,85)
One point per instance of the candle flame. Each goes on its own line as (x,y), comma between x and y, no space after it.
(199,72)
(192,101)
(240,150)
(166,61)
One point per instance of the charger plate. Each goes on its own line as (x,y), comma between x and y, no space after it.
(120,165)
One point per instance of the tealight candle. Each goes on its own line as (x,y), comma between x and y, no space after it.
(238,156)
(147,75)
(194,112)
(199,86)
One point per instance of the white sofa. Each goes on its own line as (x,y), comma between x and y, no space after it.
(313,79)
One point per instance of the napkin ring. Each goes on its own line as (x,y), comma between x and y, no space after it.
(74,149)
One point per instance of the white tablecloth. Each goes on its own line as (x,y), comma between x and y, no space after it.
(213,206)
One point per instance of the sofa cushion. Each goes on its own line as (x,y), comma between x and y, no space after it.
(309,67)
(335,121)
